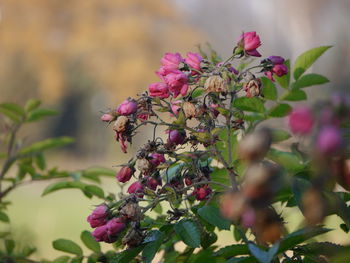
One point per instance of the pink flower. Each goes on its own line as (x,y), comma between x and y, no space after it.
(171,60)
(175,106)
(136,188)
(202,193)
(127,107)
(301,121)
(194,60)
(142,117)
(176,137)
(280,70)
(159,89)
(152,183)
(115,226)
(250,41)
(248,218)
(157,159)
(100,234)
(177,82)
(98,217)
(107,117)
(124,174)
(329,139)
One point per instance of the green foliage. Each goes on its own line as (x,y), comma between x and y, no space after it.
(90,242)
(67,246)
(249,104)
(189,232)
(212,215)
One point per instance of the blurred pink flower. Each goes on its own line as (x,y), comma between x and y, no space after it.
(301,120)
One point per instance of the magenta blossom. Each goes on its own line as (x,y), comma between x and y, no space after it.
(115,226)
(100,234)
(194,60)
(301,120)
(175,106)
(157,159)
(202,193)
(176,137)
(329,140)
(250,41)
(124,174)
(159,89)
(280,70)
(276,60)
(99,216)
(127,107)
(107,117)
(177,82)
(171,61)
(152,183)
(136,188)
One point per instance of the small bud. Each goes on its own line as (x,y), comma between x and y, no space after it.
(189,110)
(176,137)
(120,124)
(115,226)
(107,117)
(125,174)
(254,146)
(128,107)
(202,193)
(136,188)
(98,217)
(215,83)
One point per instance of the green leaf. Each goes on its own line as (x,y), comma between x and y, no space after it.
(32,104)
(197,93)
(38,114)
(46,144)
(208,239)
(262,255)
(12,111)
(127,255)
(300,236)
(63,185)
(188,231)
(309,80)
(4,217)
(152,248)
(68,246)
(10,245)
(294,95)
(98,171)
(287,160)
(305,60)
(62,259)
(338,207)
(212,215)
(95,190)
(279,135)
(280,110)
(269,89)
(232,251)
(249,104)
(284,80)
(40,161)
(90,242)
(221,176)
(223,145)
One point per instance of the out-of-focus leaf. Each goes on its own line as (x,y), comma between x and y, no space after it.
(261,255)
(9,245)
(189,232)
(68,246)
(46,144)
(32,104)
(294,95)
(212,215)
(38,114)
(127,255)
(249,104)
(269,89)
(309,80)
(63,185)
(4,217)
(62,259)
(95,190)
(305,60)
(233,250)
(197,93)
(40,161)
(221,176)
(208,239)
(279,135)
(280,110)
(287,160)
(90,242)
(242,260)
(12,111)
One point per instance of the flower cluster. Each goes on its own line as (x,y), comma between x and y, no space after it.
(193,103)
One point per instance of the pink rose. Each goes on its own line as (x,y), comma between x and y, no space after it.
(250,41)
(159,89)
(152,183)
(301,121)
(107,117)
(136,188)
(177,82)
(329,139)
(98,217)
(194,60)
(176,137)
(171,60)
(127,107)
(100,234)
(115,226)
(175,106)
(280,70)
(157,159)
(124,174)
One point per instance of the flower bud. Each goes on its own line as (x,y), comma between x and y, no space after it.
(157,159)
(202,193)
(143,165)
(250,41)
(100,233)
(253,88)
(152,183)
(136,188)
(115,226)
(120,124)
(215,83)
(127,107)
(188,181)
(98,217)
(301,121)
(125,174)
(329,140)
(107,117)
(280,70)
(254,146)
(276,60)
(189,109)
(176,137)
(171,60)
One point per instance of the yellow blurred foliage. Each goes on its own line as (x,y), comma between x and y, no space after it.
(117,44)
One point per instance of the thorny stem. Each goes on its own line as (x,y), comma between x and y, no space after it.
(229,139)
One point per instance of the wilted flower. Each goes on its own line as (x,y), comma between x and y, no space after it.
(253,88)
(120,124)
(189,109)
(254,146)
(215,83)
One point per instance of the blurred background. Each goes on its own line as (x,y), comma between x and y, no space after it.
(83,57)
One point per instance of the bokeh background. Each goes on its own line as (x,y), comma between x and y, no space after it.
(83,56)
